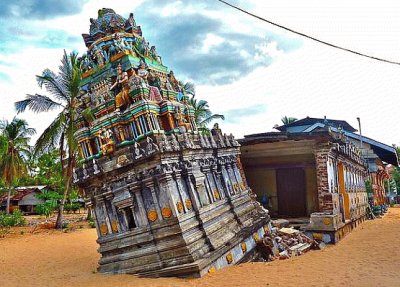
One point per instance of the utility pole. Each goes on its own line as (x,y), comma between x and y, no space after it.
(361,138)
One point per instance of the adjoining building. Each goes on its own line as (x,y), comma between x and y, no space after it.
(24,198)
(313,168)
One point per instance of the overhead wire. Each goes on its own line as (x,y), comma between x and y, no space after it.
(309,37)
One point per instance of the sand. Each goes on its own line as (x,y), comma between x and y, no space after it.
(369,256)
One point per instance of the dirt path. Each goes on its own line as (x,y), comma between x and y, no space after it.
(369,256)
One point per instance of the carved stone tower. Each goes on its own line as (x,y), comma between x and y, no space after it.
(168,200)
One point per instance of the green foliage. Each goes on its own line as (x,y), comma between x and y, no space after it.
(13,219)
(14,150)
(202,114)
(396,178)
(368,186)
(64,89)
(287,120)
(51,199)
(49,170)
(92,224)
(45,209)
(72,207)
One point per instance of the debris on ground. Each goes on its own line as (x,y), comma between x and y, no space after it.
(280,223)
(283,243)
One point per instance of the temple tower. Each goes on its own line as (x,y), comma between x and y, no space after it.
(168,200)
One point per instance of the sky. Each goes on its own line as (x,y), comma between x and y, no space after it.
(248,70)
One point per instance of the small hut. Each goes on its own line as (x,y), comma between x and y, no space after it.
(25,199)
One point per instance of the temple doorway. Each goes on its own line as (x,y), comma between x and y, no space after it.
(291,189)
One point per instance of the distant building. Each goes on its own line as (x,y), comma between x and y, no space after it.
(25,199)
(315,168)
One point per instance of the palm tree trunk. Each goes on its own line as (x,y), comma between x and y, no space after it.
(59,221)
(68,185)
(8,200)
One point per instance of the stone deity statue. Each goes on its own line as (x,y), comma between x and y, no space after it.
(130,22)
(122,86)
(142,71)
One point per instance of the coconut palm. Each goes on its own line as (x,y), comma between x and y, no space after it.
(14,148)
(64,89)
(287,120)
(202,114)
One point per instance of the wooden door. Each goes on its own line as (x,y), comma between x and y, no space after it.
(291,189)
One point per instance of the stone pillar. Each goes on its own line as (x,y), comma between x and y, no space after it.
(167,186)
(149,183)
(321,158)
(140,216)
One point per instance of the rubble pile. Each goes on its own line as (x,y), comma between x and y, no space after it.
(283,243)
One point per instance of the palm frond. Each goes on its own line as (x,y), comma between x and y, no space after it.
(36,103)
(50,137)
(189,88)
(54,85)
(211,118)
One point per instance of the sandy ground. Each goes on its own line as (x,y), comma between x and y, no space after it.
(369,256)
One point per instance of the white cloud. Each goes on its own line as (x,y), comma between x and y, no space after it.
(314,80)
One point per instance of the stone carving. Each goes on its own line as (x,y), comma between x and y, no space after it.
(154,54)
(164,144)
(99,56)
(122,86)
(151,147)
(173,81)
(96,169)
(138,151)
(181,120)
(142,71)
(84,171)
(130,22)
(107,144)
(174,143)
(147,172)
(74,176)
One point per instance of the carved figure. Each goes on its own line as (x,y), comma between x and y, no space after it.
(135,81)
(106,141)
(168,85)
(154,54)
(216,131)
(142,71)
(130,22)
(143,47)
(181,120)
(173,81)
(94,26)
(99,56)
(122,85)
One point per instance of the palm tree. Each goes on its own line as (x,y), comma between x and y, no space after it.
(64,88)
(287,120)
(202,114)
(14,149)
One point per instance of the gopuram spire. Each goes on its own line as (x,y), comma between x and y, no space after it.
(167,200)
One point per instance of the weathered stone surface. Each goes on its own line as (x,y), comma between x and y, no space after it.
(171,213)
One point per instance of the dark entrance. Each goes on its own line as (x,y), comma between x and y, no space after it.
(291,192)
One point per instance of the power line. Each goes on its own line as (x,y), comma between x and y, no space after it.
(309,37)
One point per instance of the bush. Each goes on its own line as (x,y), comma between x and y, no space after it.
(68,207)
(45,209)
(14,219)
(92,224)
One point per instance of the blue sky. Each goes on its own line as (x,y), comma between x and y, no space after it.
(250,71)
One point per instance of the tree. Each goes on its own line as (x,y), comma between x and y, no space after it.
(287,120)
(14,147)
(64,88)
(202,114)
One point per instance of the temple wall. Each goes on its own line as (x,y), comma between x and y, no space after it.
(173,207)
